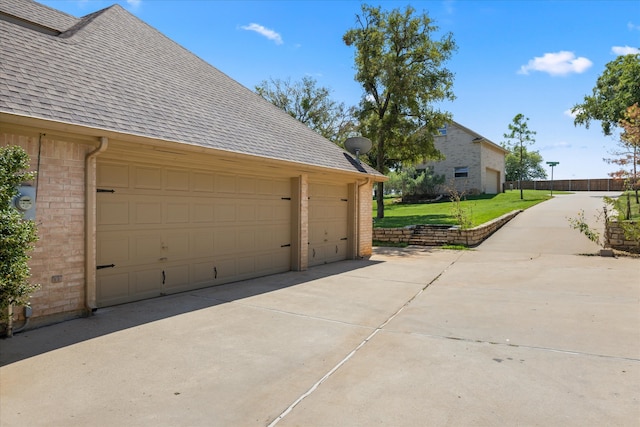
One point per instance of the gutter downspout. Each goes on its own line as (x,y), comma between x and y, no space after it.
(90,226)
(367,181)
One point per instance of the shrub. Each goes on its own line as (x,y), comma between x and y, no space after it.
(17,235)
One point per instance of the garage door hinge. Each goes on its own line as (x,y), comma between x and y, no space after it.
(345,238)
(344,200)
(286,246)
(100,267)
(104,190)
(285,198)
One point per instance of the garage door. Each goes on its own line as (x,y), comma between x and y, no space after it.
(492,181)
(328,207)
(162,230)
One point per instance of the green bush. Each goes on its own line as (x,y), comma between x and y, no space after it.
(17,236)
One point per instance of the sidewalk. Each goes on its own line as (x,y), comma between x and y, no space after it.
(520,331)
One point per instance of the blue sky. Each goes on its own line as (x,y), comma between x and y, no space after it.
(538,58)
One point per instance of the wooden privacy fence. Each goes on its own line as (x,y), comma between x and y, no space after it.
(602,184)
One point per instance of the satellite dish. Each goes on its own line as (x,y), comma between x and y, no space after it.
(357,145)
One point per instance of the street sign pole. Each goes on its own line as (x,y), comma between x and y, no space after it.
(552,164)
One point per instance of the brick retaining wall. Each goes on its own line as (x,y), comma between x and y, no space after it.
(438,235)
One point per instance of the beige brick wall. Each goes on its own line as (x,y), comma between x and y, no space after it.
(365,220)
(60,220)
(460,151)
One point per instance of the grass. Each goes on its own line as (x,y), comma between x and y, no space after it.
(482,208)
(621,204)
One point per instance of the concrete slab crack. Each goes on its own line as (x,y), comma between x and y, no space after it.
(317,384)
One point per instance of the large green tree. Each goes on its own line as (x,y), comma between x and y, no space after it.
(627,156)
(400,65)
(518,137)
(532,167)
(616,89)
(17,235)
(312,105)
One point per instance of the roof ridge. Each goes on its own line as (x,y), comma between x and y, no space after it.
(84,21)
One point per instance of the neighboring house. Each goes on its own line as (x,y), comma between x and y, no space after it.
(157,173)
(472,163)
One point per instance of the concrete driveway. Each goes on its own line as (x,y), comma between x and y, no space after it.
(524,330)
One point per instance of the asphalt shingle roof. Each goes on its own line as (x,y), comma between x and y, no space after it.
(112,71)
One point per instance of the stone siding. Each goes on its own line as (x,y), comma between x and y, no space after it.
(438,235)
(619,241)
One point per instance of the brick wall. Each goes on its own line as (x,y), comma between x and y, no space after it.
(365,222)
(57,262)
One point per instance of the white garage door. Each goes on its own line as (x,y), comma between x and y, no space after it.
(328,207)
(162,230)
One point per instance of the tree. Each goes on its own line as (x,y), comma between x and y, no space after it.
(401,70)
(531,165)
(17,235)
(628,156)
(310,104)
(616,89)
(520,133)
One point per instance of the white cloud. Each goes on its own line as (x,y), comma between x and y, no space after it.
(134,3)
(631,26)
(270,34)
(624,50)
(557,64)
(556,146)
(570,114)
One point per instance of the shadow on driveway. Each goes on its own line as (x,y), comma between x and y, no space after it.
(117,318)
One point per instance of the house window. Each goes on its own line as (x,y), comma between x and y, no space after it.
(443,130)
(461,172)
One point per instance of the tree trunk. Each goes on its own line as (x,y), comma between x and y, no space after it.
(380,186)
(380,199)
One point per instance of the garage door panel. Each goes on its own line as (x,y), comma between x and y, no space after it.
(146,248)
(113,288)
(112,212)
(177,179)
(113,175)
(202,242)
(147,281)
(112,248)
(177,213)
(225,184)
(246,212)
(203,212)
(203,272)
(247,238)
(148,178)
(176,245)
(224,211)
(246,185)
(203,181)
(147,212)
(224,241)
(176,278)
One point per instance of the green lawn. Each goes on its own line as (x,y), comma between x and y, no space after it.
(482,208)
(621,204)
